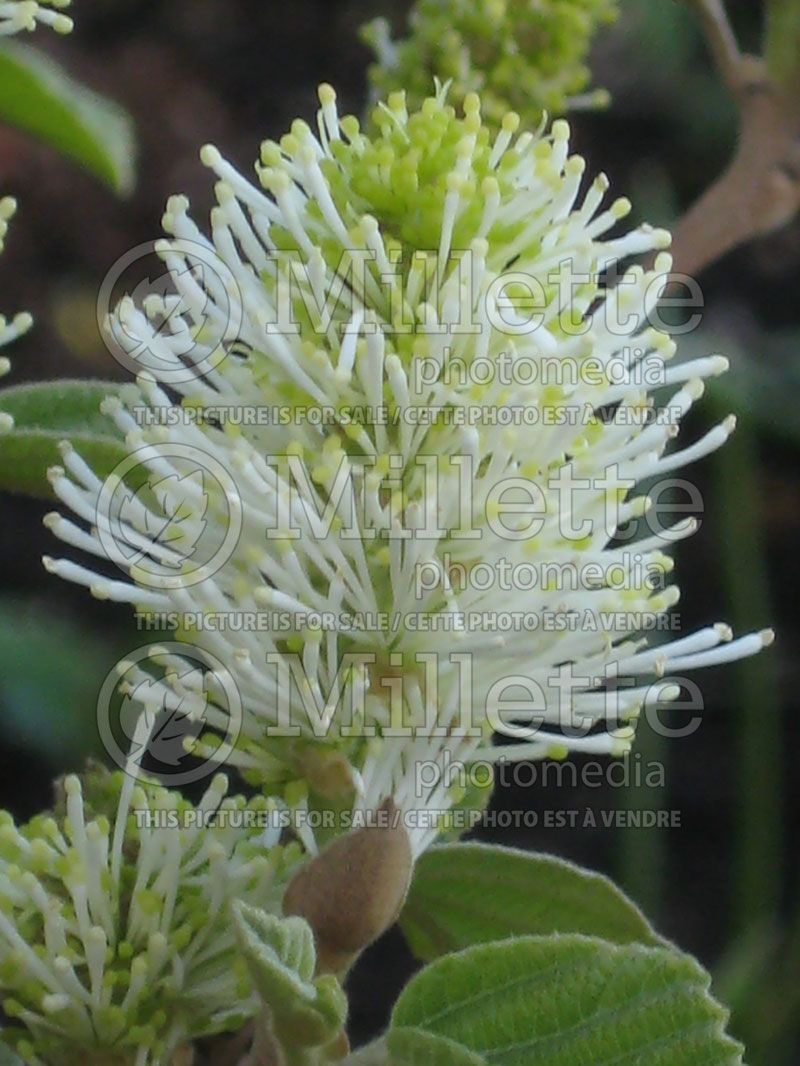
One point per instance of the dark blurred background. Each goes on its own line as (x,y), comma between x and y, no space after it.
(725,884)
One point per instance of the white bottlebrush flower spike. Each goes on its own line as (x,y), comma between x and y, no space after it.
(381,398)
(117,943)
(18,15)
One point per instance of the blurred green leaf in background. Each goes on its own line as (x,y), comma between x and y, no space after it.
(52,669)
(45,414)
(39,97)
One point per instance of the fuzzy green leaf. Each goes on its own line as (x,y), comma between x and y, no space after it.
(415,1047)
(571,1001)
(45,414)
(469,893)
(304,1011)
(26,455)
(66,406)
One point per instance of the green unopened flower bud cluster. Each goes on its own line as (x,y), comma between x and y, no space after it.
(523,55)
(117,943)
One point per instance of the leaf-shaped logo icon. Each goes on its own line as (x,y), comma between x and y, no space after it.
(178,528)
(171,725)
(154,700)
(146,701)
(172,307)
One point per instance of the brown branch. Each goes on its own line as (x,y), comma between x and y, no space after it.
(720,38)
(760,190)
